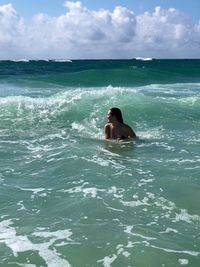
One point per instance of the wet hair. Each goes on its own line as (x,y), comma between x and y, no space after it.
(117,113)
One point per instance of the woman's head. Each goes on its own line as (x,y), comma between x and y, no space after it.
(116,112)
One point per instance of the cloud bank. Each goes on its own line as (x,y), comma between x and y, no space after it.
(83,33)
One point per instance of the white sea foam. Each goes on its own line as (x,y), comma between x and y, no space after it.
(87,192)
(21,206)
(108,260)
(144,58)
(152,134)
(190,100)
(104,162)
(26,265)
(62,60)
(117,192)
(60,234)
(187,252)
(41,192)
(136,203)
(183,261)
(169,230)
(34,190)
(18,243)
(147,180)
(186,217)
(20,60)
(129,231)
(165,204)
(120,250)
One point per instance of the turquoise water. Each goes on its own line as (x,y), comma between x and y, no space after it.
(69,198)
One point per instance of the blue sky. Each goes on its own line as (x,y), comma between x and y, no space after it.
(99,29)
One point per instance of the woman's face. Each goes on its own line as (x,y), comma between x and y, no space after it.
(109,116)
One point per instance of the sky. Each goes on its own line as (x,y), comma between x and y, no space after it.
(59,29)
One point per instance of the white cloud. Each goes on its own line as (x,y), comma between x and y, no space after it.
(11,30)
(84,33)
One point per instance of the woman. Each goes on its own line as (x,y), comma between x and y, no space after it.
(115,128)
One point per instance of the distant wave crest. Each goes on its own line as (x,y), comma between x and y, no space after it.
(144,59)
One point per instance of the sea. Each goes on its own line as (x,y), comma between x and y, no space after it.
(69,198)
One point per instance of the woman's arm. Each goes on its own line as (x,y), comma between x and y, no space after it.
(107,131)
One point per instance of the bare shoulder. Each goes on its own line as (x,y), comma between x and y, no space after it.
(129,131)
(107,126)
(107,131)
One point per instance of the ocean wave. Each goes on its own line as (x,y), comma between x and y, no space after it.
(102,72)
(144,58)
(40,60)
(20,60)
(61,60)
(126,197)
(84,109)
